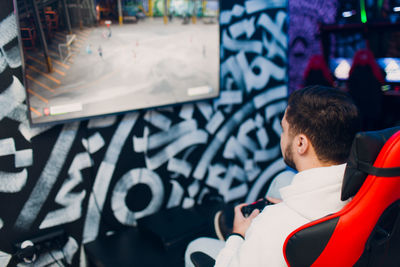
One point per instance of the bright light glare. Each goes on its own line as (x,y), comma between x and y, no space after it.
(347,14)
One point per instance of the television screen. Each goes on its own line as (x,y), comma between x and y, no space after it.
(155,57)
(391,66)
(340,67)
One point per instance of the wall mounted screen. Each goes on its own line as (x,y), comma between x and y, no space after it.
(340,67)
(391,67)
(151,60)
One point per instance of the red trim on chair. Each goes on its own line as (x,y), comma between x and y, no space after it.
(375,195)
(366,58)
(317,62)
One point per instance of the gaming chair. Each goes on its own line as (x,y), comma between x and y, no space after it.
(366,232)
(364,86)
(317,72)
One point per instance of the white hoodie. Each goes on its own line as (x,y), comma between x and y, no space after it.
(313,194)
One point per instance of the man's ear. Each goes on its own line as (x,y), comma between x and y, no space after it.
(302,144)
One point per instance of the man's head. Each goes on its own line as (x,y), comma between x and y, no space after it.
(321,122)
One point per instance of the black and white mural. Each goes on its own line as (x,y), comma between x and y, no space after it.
(94,176)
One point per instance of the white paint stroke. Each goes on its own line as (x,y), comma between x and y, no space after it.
(226,15)
(176,195)
(267,154)
(129,180)
(8,29)
(71,202)
(259,121)
(13,182)
(19,113)
(276,126)
(253,6)
(267,69)
(7,146)
(229,98)
(4,258)
(277,166)
(269,96)
(190,139)
(22,158)
(140,143)
(273,49)
(48,177)
(249,46)
(179,166)
(205,109)
(11,57)
(221,138)
(275,28)
(102,122)
(214,178)
(245,26)
(253,173)
(11,97)
(229,82)
(230,65)
(186,111)
(161,138)
(194,188)
(227,191)
(158,120)
(233,149)
(28,132)
(262,137)
(95,143)
(31,132)
(203,193)
(188,203)
(215,122)
(275,109)
(243,137)
(103,177)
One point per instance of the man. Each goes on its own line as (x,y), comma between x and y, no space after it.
(318,129)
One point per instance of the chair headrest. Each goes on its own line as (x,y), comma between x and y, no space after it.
(365,57)
(364,150)
(317,63)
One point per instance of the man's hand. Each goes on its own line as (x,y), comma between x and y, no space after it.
(274,200)
(241,223)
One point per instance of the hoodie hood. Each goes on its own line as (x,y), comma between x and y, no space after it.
(315,192)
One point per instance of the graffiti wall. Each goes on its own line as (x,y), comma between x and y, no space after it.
(304,36)
(93,176)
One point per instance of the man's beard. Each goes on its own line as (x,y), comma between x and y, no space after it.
(288,157)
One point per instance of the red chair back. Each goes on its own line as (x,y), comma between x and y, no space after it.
(370,220)
(317,72)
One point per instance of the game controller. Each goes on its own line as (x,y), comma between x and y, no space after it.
(260,204)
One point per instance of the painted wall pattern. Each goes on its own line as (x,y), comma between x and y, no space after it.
(303,34)
(84,176)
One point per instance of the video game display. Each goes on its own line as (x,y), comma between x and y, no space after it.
(340,67)
(390,67)
(158,55)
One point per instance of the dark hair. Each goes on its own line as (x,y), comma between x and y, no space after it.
(328,117)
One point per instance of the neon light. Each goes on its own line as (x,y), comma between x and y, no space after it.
(363,11)
(380,3)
